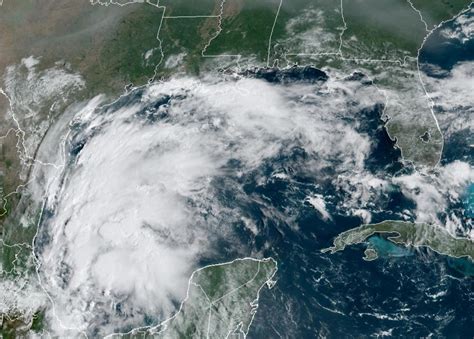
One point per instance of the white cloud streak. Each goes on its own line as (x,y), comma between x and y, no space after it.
(134,212)
(433,193)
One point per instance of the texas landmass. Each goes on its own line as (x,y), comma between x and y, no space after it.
(103,47)
(89,48)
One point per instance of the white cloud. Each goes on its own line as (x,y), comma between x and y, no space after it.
(317,201)
(462,29)
(20,295)
(362,190)
(432,193)
(35,95)
(135,211)
(453,96)
(365,215)
(132,215)
(308,33)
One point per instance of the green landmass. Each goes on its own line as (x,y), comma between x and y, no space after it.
(15,326)
(123,58)
(110,47)
(37,325)
(183,41)
(190,7)
(388,29)
(104,45)
(409,234)
(382,39)
(435,12)
(107,45)
(16,267)
(246,27)
(370,254)
(222,300)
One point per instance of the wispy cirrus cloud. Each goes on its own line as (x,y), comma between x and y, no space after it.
(135,206)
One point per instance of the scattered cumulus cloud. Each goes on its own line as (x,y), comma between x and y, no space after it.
(453,98)
(433,193)
(463,28)
(317,201)
(135,203)
(135,209)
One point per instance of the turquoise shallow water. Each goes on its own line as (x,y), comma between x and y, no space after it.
(462,265)
(334,295)
(386,248)
(469,201)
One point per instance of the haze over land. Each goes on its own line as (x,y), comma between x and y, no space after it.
(147,145)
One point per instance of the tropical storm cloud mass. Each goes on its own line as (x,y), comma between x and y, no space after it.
(144,188)
(136,202)
(236,170)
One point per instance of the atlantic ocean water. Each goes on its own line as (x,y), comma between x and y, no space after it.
(403,293)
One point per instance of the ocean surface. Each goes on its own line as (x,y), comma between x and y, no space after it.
(404,293)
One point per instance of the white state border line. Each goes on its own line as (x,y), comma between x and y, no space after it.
(419,13)
(24,156)
(219,29)
(157,4)
(270,283)
(189,16)
(401,62)
(344,28)
(430,100)
(239,56)
(163,17)
(271,33)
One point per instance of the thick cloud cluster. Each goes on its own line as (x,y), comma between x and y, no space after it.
(135,201)
(133,208)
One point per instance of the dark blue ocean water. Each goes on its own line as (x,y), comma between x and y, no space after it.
(404,293)
(438,57)
(446,52)
(469,201)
